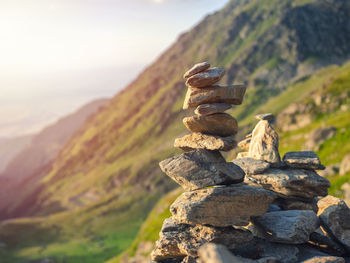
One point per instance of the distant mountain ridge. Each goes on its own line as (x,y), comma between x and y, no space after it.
(106,179)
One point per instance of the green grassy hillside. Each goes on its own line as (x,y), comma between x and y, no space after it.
(91,204)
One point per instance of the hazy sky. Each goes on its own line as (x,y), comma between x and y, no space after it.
(56,55)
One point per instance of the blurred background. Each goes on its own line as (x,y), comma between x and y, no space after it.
(91,100)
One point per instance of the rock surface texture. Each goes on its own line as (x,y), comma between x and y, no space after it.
(255,208)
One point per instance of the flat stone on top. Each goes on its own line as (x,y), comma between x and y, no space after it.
(199,67)
(201,168)
(208,109)
(303,160)
(203,141)
(220,124)
(205,78)
(214,94)
(222,206)
(265,117)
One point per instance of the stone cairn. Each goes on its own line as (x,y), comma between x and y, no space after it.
(256,208)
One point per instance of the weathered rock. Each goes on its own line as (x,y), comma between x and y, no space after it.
(265,117)
(221,206)
(244,144)
(259,248)
(335,217)
(291,182)
(220,124)
(201,168)
(215,253)
(242,155)
(264,143)
(203,141)
(345,165)
(303,160)
(180,240)
(199,67)
(296,204)
(205,78)
(251,166)
(329,259)
(290,227)
(208,109)
(214,94)
(325,243)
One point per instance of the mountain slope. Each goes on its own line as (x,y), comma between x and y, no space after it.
(106,179)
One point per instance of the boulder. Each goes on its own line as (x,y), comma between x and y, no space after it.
(335,217)
(201,168)
(208,109)
(203,141)
(289,227)
(251,166)
(199,67)
(215,253)
(221,206)
(303,160)
(264,143)
(345,165)
(205,78)
(180,240)
(291,182)
(214,94)
(220,124)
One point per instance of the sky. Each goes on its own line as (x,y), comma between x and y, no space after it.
(56,55)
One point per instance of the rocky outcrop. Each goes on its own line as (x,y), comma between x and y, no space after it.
(273,216)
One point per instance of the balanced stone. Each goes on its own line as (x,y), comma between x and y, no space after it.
(180,240)
(265,117)
(324,242)
(216,253)
(222,206)
(205,78)
(335,217)
(291,182)
(201,168)
(203,141)
(303,160)
(214,94)
(208,109)
(251,166)
(221,124)
(199,67)
(264,143)
(290,227)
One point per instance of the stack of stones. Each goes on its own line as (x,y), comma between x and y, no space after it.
(257,208)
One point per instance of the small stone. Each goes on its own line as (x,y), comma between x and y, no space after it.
(199,67)
(208,109)
(345,165)
(220,124)
(303,160)
(251,166)
(264,143)
(180,240)
(265,117)
(244,144)
(203,141)
(201,168)
(215,253)
(205,78)
(291,182)
(221,206)
(214,94)
(289,227)
(242,155)
(335,217)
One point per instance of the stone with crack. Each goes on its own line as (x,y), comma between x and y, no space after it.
(201,168)
(222,206)
(204,141)
(297,183)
